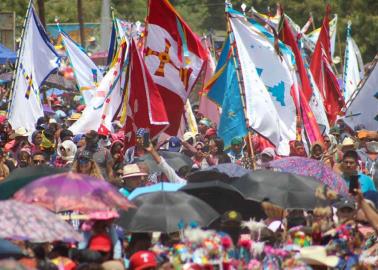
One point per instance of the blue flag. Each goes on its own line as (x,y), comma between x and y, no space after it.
(225,91)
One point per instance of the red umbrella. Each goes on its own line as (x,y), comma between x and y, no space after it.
(72,191)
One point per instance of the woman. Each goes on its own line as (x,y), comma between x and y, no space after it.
(199,158)
(297,149)
(216,150)
(86,165)
(36,141)
(66,154)
(317,151)
(4,170)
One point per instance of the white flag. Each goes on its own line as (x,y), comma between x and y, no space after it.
(37,60)
(269,80)
(107,100)
(86,72)
(352,74)
(363,108)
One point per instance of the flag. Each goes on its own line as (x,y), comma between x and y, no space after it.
(313,36)
(269,81)
(208,108)
(86,72)
(145,106)
(363,106)
(105,104)
(353,67)
(306,93)
(37,60)
(174,56)
(324,77)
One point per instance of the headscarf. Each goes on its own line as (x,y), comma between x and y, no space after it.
(70,148)
(294,151)
(46,143)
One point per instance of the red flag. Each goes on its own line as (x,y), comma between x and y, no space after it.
(145,106)
(323,75)
(305,93)
(174,56)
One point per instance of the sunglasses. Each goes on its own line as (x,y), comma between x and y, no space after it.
(38,161)
(199,149)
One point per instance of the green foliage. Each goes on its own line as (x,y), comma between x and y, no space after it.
(207,15)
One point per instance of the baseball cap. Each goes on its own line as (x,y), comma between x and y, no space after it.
(142,260)
(101,242)
(174,144)
(345,203)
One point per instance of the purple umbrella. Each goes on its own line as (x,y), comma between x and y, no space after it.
(311,167)
(20,221)
(47,110)
(72,191)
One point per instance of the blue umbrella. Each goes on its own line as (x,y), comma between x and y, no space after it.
(55,91)
(9,250)
(7,55)
(170,187)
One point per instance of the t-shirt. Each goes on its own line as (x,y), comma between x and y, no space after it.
(102,157)
(366,183)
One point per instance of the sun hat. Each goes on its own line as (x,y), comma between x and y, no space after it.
(317,255)
(131,170)
(101,242)
(142,260)
(348,142)
(74,117)
(20,132)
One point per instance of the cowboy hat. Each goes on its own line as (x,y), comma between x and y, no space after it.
(348,142)
(317,255)
(20,132)
(132,170)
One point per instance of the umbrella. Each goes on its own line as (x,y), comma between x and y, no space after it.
(21,221)
(223,171)
(170,187)
(9,250)
(284,189)
(174,159)
(166,212)
(72,191)
(224,197)
(22,176)
(7,55)
(48,110)
(314,168)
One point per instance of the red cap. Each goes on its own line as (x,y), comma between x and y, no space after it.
(101,242)
(142,260)
(80,108)
(211,132)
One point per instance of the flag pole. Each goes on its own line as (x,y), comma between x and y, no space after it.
(235,58)
(20,49)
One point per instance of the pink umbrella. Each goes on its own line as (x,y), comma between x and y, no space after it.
(72,191)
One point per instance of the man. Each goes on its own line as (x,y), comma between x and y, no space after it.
(132,178)
(349,168)
(203,125)
(236,154)
(101,155)
(143,260)
(38,159)
(133,153)
(346,210)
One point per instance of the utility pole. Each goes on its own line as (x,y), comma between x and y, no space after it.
(81,22)
(41,11)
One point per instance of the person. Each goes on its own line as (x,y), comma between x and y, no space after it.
(203,125)
(4,170)
(38,159)
(349,167)
(132,178)
(100,154)
(216,152)
(369,159)
(297,149)
(317,151)
(200,157)
(236,153)
(266,156)
(36,141)
(143,260)
(134,152)
(66,154)
(24,158)
(346,210)
(19,140)
(85,164)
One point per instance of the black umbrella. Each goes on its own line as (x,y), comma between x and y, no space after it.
(9,250)
(174,159)
(284,189)
(224,172)
(22,176)
(165,211)
(224,197)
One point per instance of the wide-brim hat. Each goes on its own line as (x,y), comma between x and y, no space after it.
(348,142)
(20,132)
(74,117)
(372,147)
(132,170)
(317,255)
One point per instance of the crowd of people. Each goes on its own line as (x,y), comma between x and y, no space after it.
(339,235)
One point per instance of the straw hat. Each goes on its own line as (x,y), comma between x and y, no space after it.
(317,255)
(74,117)
(347,142)
(20,132)
(132,170)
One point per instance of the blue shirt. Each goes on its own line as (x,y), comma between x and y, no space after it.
(366,183)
